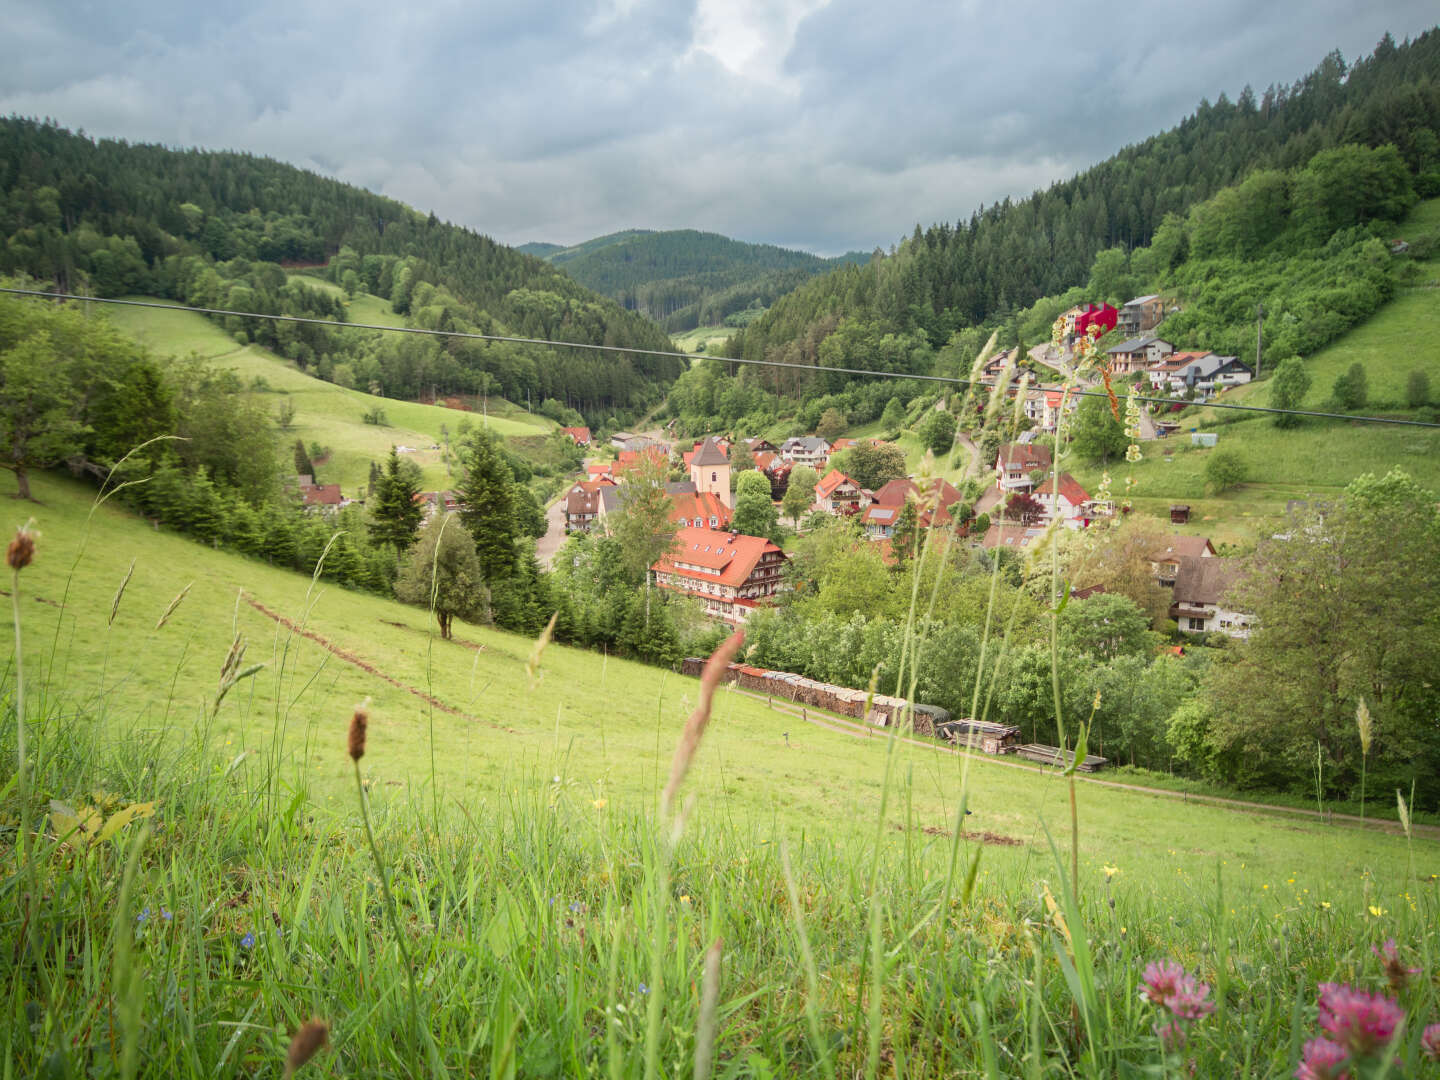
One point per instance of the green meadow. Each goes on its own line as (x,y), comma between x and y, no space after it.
(325,413)
(526,910)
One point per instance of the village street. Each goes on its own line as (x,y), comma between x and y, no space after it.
(550,543)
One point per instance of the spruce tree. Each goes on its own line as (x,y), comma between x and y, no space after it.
(487,504)
(395,514)
(303,466)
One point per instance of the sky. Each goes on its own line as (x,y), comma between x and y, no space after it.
(824,125)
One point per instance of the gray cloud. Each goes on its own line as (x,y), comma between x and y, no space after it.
(822,125)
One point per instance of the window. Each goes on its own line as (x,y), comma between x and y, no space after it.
(1195,624)
(714,476)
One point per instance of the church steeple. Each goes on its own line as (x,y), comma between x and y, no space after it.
(710,471)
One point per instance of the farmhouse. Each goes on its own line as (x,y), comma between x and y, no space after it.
(322,498)
(431,501)
(580,436)
(1066,498)
(1200,604)
(1165,563)
(933,506)
(729,573)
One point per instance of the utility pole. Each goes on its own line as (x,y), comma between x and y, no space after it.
(1259,335)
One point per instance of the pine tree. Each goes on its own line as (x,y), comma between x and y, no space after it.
(303,466)
(395,513)
(487,504)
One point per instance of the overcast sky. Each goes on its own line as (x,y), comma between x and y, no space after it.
(820,125)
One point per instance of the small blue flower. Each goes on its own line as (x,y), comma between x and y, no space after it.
(644,989)
(166,915)
(247,941)
(144,916)
(575,905)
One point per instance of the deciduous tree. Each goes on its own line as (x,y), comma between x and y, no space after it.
(443,571)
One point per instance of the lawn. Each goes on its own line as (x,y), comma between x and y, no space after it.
(554,928)
(324,412)
(710,336)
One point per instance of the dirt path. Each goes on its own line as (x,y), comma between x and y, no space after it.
(554,538)
(856,729)
(367,667)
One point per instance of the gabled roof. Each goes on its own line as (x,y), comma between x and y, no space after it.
(1011,536)
(1026,455)
(322,495)
(1184,547)
(599,468)
(895,492)
(1177,361)
(1204,581)
(1137,344)
(1142,299)
(734,555)
(579,434)
(1070,489)
(764,459)
(830,481)
(876,514)
(809,443)
(704,505)
(710,454)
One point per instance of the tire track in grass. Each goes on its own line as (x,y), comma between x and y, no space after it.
(369,668)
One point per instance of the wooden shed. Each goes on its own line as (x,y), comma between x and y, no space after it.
(1179,513)
(983,735)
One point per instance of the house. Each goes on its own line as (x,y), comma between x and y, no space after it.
(1200,605)
(1080,319)
(1010,536)
(710,470)
(1141,314)
(597,469)
(697,509)
(621,438)
(325,498)
(761,446)
(1044,405)
(580,436)
(729,573)
(1137,354)
(933,505)
(1064,496)
(805,450)
(582,504)
(1016,462)
(837,494)
(1173,372)
(629,459)
(1231,372)
(431,501)
(1165,563)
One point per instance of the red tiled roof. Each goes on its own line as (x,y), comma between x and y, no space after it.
(764,459)
(1070,489)
(1184,547)
(322,495)
(579,434)
(629,458)
(830,481)
(1026,455)
(895,492)
(1176,361)
(599,468)
(690,505)
(733,555)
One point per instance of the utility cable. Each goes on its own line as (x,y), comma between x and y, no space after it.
(830,369)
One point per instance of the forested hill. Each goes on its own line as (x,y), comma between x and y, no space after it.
(1000,259)
(117,218)
(683,278)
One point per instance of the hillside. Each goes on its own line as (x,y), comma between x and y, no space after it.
(325,413)
(518,858)
(684,278)
(213,229)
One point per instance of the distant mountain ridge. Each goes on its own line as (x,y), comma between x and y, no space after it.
(684,278)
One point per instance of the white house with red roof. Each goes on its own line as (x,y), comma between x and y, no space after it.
(1015,463)
(1070,500)
(697,509)
(837,494)
(729,573)
(580,436)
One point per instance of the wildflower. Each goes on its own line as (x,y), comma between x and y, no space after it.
(166,915)
(143,917)
(575,905)
(1172,1035)
(248,941)
(1110,871)
(1188,1001)
(1396,973)
(599,804)
(1322,1060)
(685,898)
(1161,980)
(1376,910)
(643,988)
(1430,1042)
(1361,1022)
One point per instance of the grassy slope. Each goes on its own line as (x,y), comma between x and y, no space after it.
(324,413)
(1319,458)
(606,727)
(711,335)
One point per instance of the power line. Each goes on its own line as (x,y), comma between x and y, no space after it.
(947,379)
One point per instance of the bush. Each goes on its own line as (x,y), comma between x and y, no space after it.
(1224,470)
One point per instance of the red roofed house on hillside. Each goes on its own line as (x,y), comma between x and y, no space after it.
(1079,319)
(322,497)
(699,509)
(729,573)
(880,517)
(628,459)
(837,494)
(580,436)
(582,504)
(1016,462)
(1071,500)
(1166,564)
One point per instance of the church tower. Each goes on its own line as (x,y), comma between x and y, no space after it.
(710,471)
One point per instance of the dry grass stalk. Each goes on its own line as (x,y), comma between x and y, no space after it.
(695,727)
(173,605)
(532,665)
(22,548)
(308,1041)
(358,725)
(120,593)
(709,1005)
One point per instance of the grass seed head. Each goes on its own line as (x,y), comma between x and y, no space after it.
(1365,725)
(22,548)
(358,723)
(308,1041)
(689,743)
